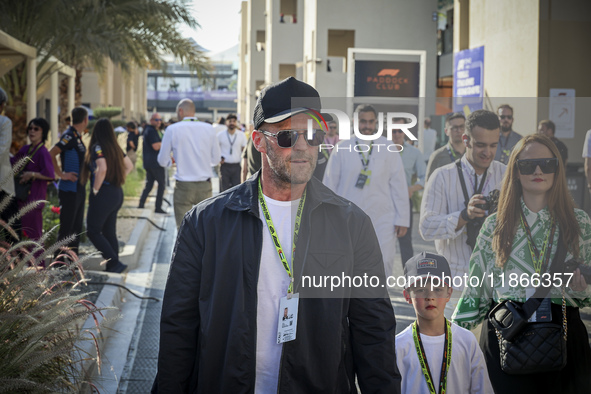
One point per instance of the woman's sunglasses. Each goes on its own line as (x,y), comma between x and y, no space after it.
(528,166)
(34,128)
(288,138)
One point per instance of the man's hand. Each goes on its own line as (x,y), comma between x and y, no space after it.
(473,211)
(400,231)
(69,176)
(414,188)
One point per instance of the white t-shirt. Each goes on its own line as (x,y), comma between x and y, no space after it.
(235,143)
(467,372)
(272,285)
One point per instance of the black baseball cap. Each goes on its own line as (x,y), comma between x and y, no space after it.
(275,101)
(426,264)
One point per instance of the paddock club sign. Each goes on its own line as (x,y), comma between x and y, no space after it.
(386,78)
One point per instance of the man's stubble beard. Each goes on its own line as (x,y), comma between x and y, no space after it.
(281,169)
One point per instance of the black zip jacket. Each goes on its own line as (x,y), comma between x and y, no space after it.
(208,324)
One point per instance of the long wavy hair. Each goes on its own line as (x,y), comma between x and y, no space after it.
(104,135)
(560,203)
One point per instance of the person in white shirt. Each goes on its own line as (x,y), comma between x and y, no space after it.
(195,150)
(372,176)
(451,357)
(232,141)
(429,140)
(447,213)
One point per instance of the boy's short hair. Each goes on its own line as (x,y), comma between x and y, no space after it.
(425,265)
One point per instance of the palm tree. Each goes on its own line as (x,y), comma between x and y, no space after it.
(131,33)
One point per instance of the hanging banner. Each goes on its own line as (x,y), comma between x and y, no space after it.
(468,80)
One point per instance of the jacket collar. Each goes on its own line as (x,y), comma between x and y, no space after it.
(245,196)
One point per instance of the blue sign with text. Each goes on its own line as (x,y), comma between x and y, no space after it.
(468,80)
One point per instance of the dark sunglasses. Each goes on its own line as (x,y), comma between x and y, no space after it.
(506,116)
(34,128)
(528,166)
(288,138)
(157,119)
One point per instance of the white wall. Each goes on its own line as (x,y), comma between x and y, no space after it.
(380,24)
(284,40)
(255,61)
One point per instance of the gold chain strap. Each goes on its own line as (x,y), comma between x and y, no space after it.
(564,327)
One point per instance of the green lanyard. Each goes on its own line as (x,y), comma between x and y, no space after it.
(451,152)
(423,358)
(35,151)
(275,236)
(539,258)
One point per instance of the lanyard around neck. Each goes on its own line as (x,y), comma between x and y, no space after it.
(275,236)
(364,160)
(539,258)
(423,358)
(475,186)
(452,152)
(231,141)
(36,149)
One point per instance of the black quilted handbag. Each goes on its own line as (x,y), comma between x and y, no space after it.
(527,348)
(536,348)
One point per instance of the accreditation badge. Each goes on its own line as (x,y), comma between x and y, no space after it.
(363,179)
(288,318)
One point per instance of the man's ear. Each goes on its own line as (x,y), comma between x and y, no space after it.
(258,140)
(466,140)
(406,295)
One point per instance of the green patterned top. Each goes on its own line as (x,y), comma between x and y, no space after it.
(497,282)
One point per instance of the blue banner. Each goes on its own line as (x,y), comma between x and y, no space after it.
(468,80)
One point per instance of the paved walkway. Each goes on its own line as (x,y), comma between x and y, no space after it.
(140,370)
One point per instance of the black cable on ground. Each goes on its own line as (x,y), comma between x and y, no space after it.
(142,217)
(123,287)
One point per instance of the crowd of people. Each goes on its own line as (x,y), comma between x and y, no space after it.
(237,314)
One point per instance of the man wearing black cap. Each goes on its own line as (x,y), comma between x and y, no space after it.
(232,276)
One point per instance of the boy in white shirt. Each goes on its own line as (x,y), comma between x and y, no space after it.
(433,354)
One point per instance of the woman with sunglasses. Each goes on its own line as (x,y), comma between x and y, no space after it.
(38,171)
(107,167)
(518,244)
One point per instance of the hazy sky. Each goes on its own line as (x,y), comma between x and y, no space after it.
(220,23)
